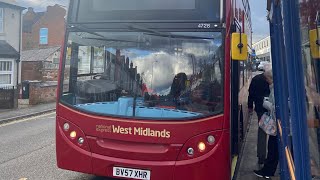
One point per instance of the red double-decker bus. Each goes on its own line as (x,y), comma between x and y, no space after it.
(147,86)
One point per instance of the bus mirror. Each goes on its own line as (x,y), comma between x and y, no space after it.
(239,47)
(315,43)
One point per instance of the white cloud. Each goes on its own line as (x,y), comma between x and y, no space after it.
(160,68)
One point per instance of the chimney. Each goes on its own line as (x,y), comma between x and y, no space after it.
(118,53)
(123,60)
(30,9)
(49,8)
(127,63)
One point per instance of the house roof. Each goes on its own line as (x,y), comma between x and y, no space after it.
(12,4)
(7,51)
(38,54)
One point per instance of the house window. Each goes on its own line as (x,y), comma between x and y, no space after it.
(6,72)
(43,36)
(1,20)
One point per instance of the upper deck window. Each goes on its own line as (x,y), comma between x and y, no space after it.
(145,10)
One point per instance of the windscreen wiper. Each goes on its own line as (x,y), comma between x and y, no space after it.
(102,38)
(84,29)
(147,30)
(152,32)
(180,36)
(108,39)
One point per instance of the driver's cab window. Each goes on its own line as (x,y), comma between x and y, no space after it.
(98,60)
(91,60)
(84,56)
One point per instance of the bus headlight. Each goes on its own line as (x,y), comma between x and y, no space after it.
(80,140)
(201,146)
(211,139)
(66,126)
(73,134)
(190,151)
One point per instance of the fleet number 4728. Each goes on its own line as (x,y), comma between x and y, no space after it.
(204,25)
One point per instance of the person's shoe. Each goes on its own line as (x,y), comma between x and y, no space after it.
(261,174)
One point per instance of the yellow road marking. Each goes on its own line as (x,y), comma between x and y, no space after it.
(233,166)
(27,119)
(23,178)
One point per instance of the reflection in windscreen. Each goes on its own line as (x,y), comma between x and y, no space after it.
(145,75)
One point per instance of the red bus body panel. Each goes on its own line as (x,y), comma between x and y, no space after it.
(227,98)
(159,155)
(70,156)
(180,131)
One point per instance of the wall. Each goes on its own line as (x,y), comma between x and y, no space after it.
(27,42)
(263,49)
(40,71)
(31,71)
(11,27)
(42,92)
(29,18)
(54,20)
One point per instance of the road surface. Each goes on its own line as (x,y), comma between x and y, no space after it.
(27,151)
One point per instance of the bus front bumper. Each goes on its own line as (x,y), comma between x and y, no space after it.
(213,165)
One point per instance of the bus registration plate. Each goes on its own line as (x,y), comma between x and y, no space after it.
(131,173)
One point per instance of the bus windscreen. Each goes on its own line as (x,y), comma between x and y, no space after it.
(88,11)
(170,75)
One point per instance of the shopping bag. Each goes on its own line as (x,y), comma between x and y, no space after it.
(268,124)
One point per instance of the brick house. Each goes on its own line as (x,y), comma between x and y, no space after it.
(40,69)
(43,29)
(29,19)
(40,64)
(10,46)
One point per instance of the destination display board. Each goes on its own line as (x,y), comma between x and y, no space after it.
(145,10)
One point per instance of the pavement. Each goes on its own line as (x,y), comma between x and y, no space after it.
(249,160)
(8,115)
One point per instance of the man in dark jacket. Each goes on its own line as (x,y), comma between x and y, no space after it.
(259,88)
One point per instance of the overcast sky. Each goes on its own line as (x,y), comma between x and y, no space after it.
(258,13)
(259,19)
